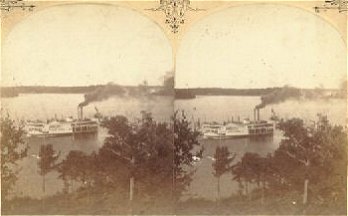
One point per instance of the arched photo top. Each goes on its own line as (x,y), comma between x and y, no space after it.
(260,46)
(85,44)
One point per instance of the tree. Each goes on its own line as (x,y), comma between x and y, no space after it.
(186,145)
(138,155)
(299,146)
(47,162)
(150,145)
(248,170)
(13,149)
(142,151)
(222,164)
(77,166)
(153,157)
(310,155)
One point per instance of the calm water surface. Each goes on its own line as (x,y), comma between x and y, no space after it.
(223,108)
(48,106)
(204,108)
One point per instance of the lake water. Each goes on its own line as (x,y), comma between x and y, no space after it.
(204,108)
(223,108)
(47,106)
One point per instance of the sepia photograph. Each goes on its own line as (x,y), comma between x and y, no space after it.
(174,107)
(86,113)
(267,93)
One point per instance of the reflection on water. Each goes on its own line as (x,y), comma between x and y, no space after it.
(207,108)
(30,182)
(204,183)
(47,106)
(224,108)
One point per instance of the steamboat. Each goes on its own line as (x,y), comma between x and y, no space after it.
(238,129)
(66,127)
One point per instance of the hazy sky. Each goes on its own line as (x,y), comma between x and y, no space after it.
(261,46)
(83,45)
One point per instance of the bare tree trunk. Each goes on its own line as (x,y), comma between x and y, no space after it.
(89,192)
(218,189)
(131,188)
(44,192)
(305,192)
(131,195)
(263,194)
(43,184)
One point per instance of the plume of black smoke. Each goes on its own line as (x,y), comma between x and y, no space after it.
(103,93)
(278,96)
(282,94)
(113,90)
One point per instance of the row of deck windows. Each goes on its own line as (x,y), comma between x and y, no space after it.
(261,131)
(85,128)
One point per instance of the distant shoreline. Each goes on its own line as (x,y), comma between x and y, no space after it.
(179,92)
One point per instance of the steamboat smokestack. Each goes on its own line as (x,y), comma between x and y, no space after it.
(79,112)
(256,114)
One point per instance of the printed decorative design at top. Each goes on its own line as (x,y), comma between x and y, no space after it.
(175,12)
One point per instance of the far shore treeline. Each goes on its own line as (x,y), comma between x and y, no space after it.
(14,91)
(156,90)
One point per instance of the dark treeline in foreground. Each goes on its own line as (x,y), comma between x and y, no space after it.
(138,169)
(305,175)
(142,168)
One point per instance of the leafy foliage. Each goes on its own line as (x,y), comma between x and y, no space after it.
(47,162)
(13,148)
(315,153)
(78,166)
(48,158)
(222,163)
(186,145)
(310,151)
(223,160)
(144,150)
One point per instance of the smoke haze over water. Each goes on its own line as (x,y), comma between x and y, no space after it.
(103,93)
(286,93)
(142,91)
(114,90)
(278,96)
